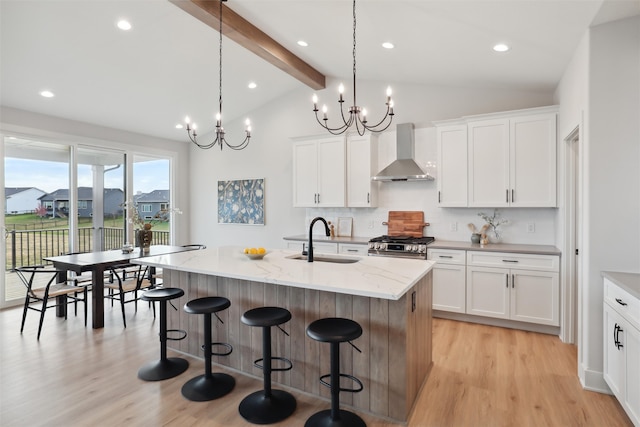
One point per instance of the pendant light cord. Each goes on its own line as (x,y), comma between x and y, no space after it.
(220,67)
(354,52)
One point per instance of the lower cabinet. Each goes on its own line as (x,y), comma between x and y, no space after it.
(522,295)
(622,351)
(353,249)
(449,280)
(512,286)
(318,247)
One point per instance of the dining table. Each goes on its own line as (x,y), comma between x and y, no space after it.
(99,262)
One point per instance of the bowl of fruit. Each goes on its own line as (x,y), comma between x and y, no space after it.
(255,253)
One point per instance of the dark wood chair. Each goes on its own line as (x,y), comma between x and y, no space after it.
(43,287)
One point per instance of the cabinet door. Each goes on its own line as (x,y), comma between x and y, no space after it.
(362,155)
(532,153)
(331,172)
(614,356)
(353,249)
(449,288)
(488,292)
(324,248)
(632,395)
(305,174)
(488,178)
(452,165)
(535,297)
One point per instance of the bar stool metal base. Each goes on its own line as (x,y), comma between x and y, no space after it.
(323,419)
(202,389)
(163,369)
(260,409)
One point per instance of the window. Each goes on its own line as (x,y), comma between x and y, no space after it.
(145,208)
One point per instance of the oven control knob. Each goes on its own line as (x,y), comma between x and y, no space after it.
(414,248)
(422,249)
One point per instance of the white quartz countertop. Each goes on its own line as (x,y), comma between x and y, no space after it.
(496,247)
(627,281)
(355,240)
(377,277)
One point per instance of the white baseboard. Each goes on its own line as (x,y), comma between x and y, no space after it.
(593,381)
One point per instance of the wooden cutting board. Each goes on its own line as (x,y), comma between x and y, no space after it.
(406,223)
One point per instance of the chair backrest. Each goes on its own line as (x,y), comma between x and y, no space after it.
(140,274)
(195,246)
(28,274)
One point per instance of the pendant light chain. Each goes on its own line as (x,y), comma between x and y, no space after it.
(356,115)
(219,131)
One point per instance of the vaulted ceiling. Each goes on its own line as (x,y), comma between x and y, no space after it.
(147,79)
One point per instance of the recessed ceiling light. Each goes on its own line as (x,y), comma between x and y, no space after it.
(252,85)
(47,94)
(303,43)
(501,47)
(179,126)
(124,25)
(387,45)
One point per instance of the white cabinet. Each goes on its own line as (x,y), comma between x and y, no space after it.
(452,165)
(622,348)
(518,287)
(353,249)
(318,247)
(319,172)
(512,162)
(362,161)
(449,280)
(498,160)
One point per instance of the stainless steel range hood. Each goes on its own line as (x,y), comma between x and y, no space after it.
(404,168)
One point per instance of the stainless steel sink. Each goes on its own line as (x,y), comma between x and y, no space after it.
(325,258)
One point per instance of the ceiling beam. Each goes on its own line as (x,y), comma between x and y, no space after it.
(252,38)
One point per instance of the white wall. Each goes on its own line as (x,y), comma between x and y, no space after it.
(269,156)
(601,88)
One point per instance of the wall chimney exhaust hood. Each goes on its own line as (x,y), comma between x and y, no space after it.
(404,168)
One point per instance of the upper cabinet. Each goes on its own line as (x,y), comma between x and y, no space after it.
(319,172)
(509,160)
(335,171)
(452,165)
(362,161)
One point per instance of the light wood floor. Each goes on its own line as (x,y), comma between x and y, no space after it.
(482,376)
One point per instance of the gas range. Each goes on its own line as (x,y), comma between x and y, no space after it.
(400,246)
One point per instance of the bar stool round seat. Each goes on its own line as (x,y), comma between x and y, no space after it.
(166,367)
(209,386)
(335,330)
(267,406)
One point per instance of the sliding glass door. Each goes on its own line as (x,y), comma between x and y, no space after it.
(62,198)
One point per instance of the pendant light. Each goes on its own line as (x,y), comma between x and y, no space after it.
(356,114)
(220,138)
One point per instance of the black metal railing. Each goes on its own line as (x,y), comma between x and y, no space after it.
(29,247)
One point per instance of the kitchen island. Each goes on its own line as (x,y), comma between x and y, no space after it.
(389,297)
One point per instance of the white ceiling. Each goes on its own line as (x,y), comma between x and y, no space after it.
(146,80)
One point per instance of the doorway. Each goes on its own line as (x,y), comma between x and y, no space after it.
(572,241)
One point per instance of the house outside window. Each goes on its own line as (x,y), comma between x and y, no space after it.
(145,208)
(82,204)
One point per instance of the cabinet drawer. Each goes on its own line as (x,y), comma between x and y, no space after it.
(346,248)
(623,302)
(510,260)
(447,256)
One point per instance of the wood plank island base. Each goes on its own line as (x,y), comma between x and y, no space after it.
(389,297)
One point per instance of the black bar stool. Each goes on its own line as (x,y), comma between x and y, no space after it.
(165,367)
(267,406)
(209,386)
(336,330)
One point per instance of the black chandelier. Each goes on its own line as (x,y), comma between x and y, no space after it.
(357,115)
(220,139)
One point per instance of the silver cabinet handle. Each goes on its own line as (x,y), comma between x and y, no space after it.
(506,277)
(438,197)
(513,196)
(513,281)
(510,260)
(507,195)
(445,256)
